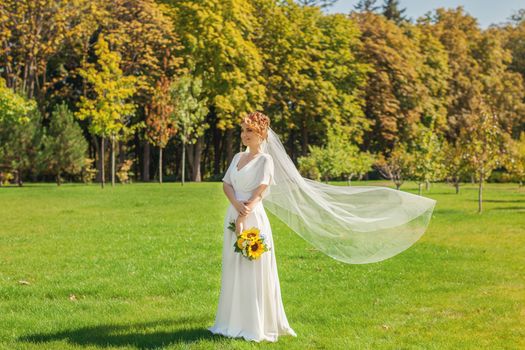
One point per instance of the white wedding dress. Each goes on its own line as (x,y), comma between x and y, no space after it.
(250,304)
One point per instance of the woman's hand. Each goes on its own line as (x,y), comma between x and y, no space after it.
(242,208)
(239,224)
(248,206)
(251,203)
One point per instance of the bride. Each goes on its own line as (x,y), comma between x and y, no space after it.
(250,304)
(352,224)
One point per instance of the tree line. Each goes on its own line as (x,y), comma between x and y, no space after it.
(147,87)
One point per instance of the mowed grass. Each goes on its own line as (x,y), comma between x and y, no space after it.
(138,267)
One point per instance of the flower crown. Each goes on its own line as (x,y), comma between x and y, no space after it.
(259,122)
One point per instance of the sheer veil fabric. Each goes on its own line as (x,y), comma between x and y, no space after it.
(352,224)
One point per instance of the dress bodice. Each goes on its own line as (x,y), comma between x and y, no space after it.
(257,171)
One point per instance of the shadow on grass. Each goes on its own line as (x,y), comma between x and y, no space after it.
(141,335)
(500,200)
(509,208)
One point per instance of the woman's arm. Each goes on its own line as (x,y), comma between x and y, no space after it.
(230,193)
(255,198)
(249,204)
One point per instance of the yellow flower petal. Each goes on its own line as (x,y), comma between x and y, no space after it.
(251,233)
(256,249)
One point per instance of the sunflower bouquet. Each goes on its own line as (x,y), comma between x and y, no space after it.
(250,243)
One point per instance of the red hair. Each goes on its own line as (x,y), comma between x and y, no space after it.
(258,121)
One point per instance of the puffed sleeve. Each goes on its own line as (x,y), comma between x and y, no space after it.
(268,171)
(227,176)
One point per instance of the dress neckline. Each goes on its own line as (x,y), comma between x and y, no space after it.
(245,165)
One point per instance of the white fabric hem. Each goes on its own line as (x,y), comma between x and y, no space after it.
(241,334)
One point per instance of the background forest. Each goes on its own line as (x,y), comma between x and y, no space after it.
(129,90)
(112,92)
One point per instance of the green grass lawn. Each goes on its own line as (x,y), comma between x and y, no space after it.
(138,266)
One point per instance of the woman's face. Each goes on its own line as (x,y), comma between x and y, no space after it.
(249,137)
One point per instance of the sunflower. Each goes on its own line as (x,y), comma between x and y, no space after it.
(255,249)
(251,233)
(240,242)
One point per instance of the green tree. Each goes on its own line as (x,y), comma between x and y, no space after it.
(314,78)
(458,33)
(392,12)
(108,110)
(219,49)
(349,161)
(20,133)
(366,6)
(32,32)
(427,157)
(145,36)
(395,96)
(308,165)
(516,45)
(434,74)
(320,163)
(503,88)
(396,166)
(455,163)
(26,145)
(339,157)
(14,109)
(190,112)
(515,162)
(319,3)
(64,145)
(484,145)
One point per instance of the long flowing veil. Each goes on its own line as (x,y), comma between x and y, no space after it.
(353,224)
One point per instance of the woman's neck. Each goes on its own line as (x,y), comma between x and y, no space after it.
(254,152)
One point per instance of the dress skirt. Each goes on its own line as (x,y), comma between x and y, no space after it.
(250,304)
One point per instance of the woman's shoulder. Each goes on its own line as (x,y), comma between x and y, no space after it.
(268,156)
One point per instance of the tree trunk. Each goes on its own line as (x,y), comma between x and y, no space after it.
(160,164)
(145,162)
(31,91)
(456,185)
(304,140)
(97,158)
(103,175)
(19,177)
(92,150)
(137,144)
(121,153)
(197,159)
(183,162)
(58,179)
(113,160)
(205,154)
(480,193)
(24,80)
(190,150)
(217,153)
(420,186)
(228,143)
(291,144)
